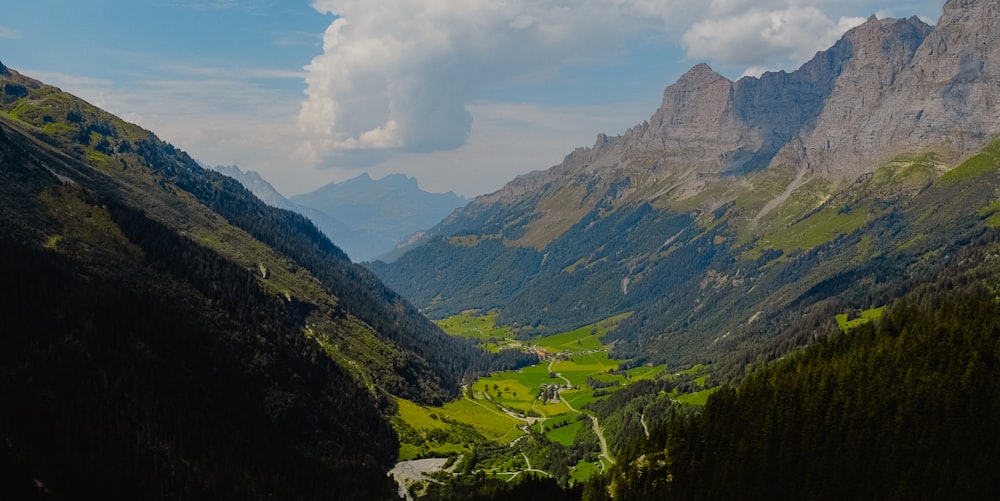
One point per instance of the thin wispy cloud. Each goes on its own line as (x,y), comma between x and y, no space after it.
(298,39)
(213,5)
(68,80)
(8,33)
(237,73)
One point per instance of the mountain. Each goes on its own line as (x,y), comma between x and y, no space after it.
(369,218)
(257,185)
(741,206)
(263,190)
(167,335)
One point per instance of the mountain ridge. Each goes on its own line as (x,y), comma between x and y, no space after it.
(374,216)
(166,334)
(721,205)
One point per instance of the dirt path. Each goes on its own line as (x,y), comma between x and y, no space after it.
(560,376)
(593,421)
(600,436)
(529,468)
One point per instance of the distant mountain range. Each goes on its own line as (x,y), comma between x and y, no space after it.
(377,214)
(368,218)
(741,205)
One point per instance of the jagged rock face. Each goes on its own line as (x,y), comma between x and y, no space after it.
(888,86)
(708,125)
(846,141)
(949,92)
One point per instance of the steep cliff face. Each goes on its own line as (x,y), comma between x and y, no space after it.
(945,99)
(710,125)
(842,142)
(821,117)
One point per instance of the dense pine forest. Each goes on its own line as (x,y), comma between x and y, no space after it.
(904,408)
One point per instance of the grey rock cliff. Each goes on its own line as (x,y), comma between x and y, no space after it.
(946,99)
(887,87)
(845,141)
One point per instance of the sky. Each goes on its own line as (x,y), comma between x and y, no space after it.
(463,95)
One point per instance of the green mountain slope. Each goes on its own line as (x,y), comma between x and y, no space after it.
(705,284)
(740,207)
(167,335)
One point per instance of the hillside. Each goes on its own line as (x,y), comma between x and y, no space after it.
(739,207)
(904,408)
(167,335)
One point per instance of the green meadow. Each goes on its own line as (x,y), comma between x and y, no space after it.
(846,323)
(587,338)
(492,410)
(471,324)
(697,398)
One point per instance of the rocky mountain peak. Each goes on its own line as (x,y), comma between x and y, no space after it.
(3,69)
(699,75)
(887,87)
(940,98)
(881,41)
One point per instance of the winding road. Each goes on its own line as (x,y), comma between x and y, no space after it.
(593,420)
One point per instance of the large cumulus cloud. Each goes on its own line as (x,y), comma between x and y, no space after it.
(398,75)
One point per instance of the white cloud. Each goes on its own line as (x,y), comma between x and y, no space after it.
(759,38)
(400,80)
(398,75)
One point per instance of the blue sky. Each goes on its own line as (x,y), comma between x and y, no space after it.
(463,95)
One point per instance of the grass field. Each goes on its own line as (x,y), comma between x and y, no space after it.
(586,338)
(576,356)
(580,367)
(566,434)
(482,327)
(818,228)
(418,416)
(584,470)
(579,398)
(483,416)
(698,398)
(646,372)
(867,316)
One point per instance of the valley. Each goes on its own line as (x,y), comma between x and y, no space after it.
(508,421)
(783,286)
